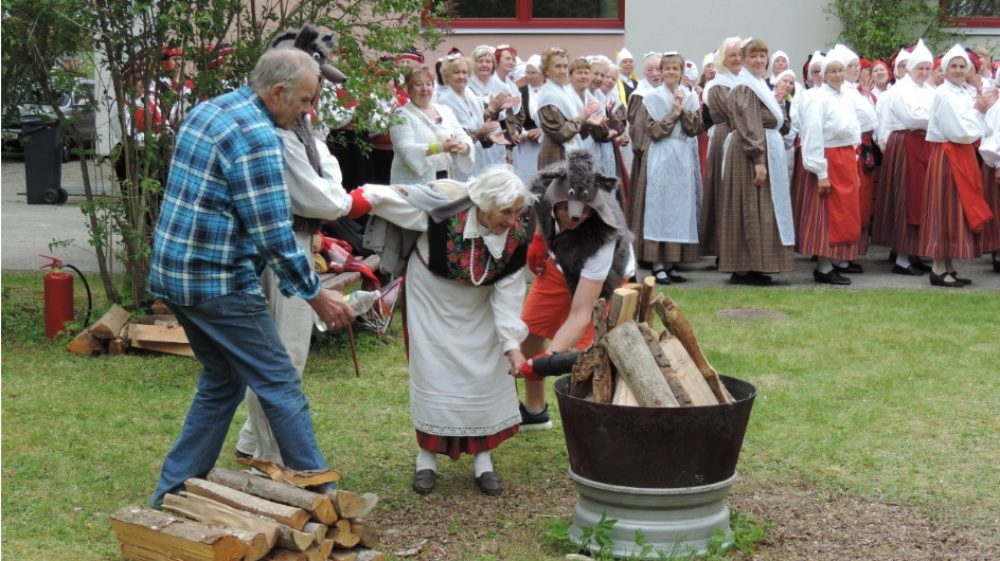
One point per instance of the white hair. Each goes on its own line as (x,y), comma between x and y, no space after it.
(728,44)
(498,187)
(281,66)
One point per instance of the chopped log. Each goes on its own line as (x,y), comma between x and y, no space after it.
(138,332)
(116,346)
(147,533)
(299,478)
(279,554)
(343,555)
(85,344)
(685,372)
(623,394)
(294,540)
(644,312)
(631,356)
(676,322)
(370,555)
(341,534)
(317,504)
(110,324)
(319,552)
(604,382)
(666,366)
(367,531)
(288,515)
(590,363)
(623,305)
(256,542)
(208,511)
(371,501)
(316,530)
(165,320)
(347,504)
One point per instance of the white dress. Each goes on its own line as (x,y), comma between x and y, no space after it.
(459,380)
(410,139)
(470,113)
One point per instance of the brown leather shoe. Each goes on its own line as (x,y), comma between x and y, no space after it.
(489,484)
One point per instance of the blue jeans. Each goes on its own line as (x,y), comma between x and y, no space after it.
(236,341)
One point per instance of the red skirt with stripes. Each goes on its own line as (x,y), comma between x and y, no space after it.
(866,193)
(990,236)
(813,226)
(455,446)
(944,232)
(889,224)
(798,185)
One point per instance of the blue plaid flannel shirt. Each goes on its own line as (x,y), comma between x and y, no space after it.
(226,210)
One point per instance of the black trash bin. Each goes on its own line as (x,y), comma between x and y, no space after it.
(42,143)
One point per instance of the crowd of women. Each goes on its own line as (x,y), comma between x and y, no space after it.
(740,161)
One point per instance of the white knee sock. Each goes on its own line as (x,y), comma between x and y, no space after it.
(823,264)
(426,460)
(903,260)
(482,463)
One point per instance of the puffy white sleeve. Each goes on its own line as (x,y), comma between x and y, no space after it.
(813,148)
(389,204)
(413,150)
(507,300)
(956,119)
(990,147)
(313,195)
(912,110)
(454,128)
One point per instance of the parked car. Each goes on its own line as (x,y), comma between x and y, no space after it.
(76,105)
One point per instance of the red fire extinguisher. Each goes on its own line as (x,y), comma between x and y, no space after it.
(59,296)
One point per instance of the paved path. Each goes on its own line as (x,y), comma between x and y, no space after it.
(27,231)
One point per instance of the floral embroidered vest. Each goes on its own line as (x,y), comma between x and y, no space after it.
(450,253)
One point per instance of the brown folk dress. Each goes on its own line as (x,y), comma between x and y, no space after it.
(748,231)
(708,226)
(557,129)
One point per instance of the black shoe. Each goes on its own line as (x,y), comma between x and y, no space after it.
(535,421)
(833,277)
(675,276)
(920,266)
(851,268)
(964,281)
(489,484)
(750,279)
(424,481)
(909,271)
(661,276)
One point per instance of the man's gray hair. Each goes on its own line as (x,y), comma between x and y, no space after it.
(498,188)
(281,66)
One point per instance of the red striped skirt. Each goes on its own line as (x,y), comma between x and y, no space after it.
(990,236)
(812,227)
(455,446)
(866,194)
(798,185)
(943,232)
(889,225)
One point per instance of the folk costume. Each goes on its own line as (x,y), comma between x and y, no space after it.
(666,228)
(558,116)
(717,99)
(756,228)
(413,132)
(954,209)
(470,112)
(636,117)
(526,151)
(989,149)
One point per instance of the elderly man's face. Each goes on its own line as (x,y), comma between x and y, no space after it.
(288,103)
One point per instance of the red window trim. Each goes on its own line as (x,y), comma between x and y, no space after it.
(525,21)
(966,22)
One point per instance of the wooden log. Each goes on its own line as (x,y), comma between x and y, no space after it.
(631,356)
(370,555)
(347,504)
(208,511)
(367,531)
(624,302)
(318,505)
(85,344)
(623,394)
(342,536)
(116,346)
(291,516)
(343,555)
(148,534)
(646,294)
(604,379)
(320,551)
(294,540)
(371,501)
(110,324)
(316,530)
(256,542)
(676,322)
(140,333)
(299,478)
(685,373)
(280,554)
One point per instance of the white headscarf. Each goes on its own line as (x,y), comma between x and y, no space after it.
(622,55)
(919,55)
(956,51)
(775,56)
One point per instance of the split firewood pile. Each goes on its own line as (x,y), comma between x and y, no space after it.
(238,516)
(631,364)
(116,332)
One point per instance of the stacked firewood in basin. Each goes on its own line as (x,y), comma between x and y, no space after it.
(238,516)
(631,364)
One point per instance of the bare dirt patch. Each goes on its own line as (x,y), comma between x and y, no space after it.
(458,522)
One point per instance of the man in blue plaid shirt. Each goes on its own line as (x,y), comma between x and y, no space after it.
(225,214)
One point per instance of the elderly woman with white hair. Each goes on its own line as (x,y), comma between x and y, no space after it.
(479,121)
(464,293)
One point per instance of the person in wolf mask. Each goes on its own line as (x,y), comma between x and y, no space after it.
(581,251)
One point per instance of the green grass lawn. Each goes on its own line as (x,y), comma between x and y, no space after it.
(888,395)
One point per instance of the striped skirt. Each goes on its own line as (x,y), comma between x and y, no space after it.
(943,232)
(866,193)
(798,185)
(455,446)
(812,225)
(990,236)
(889,225)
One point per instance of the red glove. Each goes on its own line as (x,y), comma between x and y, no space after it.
(360,205)
(538,252)
(528,371)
